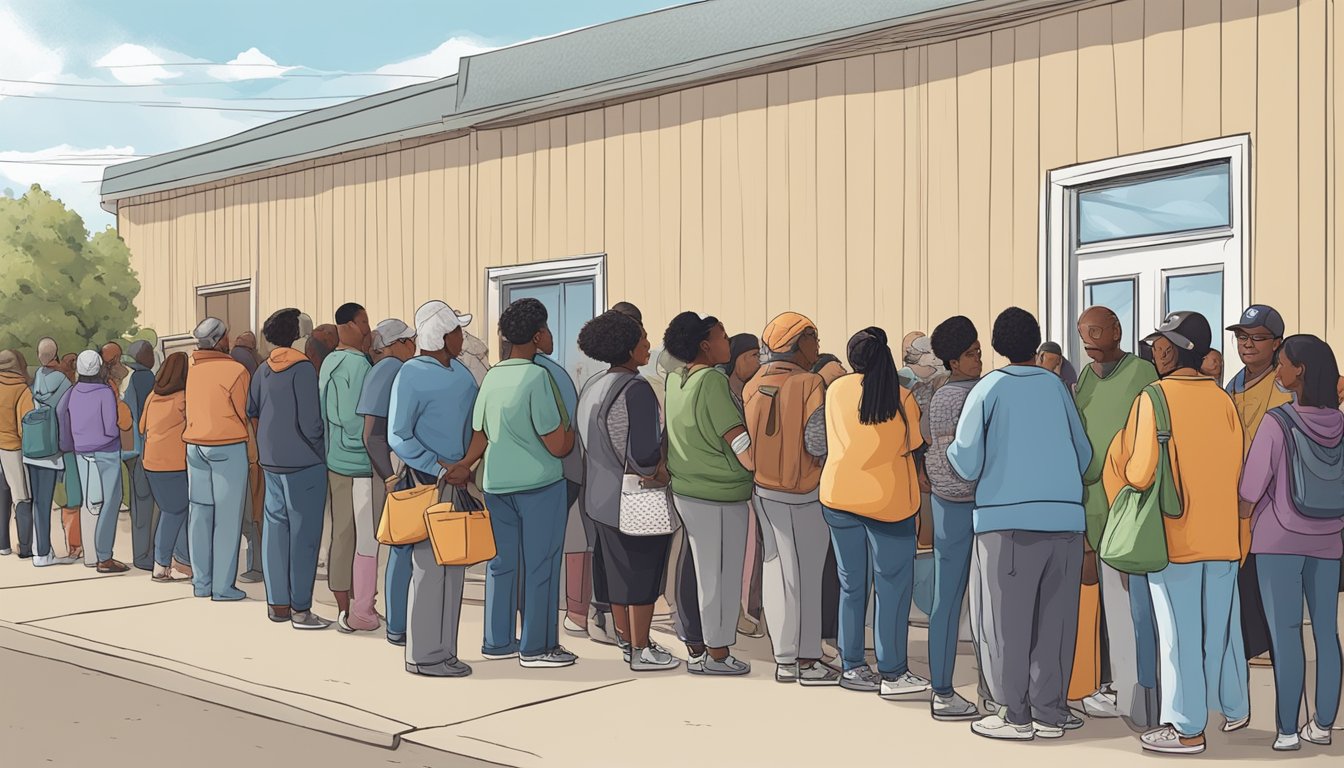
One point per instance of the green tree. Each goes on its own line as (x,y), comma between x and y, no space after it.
(57,281)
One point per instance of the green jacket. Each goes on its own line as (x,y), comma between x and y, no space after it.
(340,383)
(1103,405)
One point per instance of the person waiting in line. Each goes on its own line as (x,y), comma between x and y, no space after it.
(957,343)
(621,437)
(88,420)
(162,421)
(139,384)
(1298,555)
(393,343)
(1259,334)
(429,426)
(1105,393)
(283,404)
(44,472)
(353,560)
(708,459)
(244,351)
(870,496)
(69,496)
(1050,356)
(1195,595)
(745,352)
(216,436)
(16,400)
(520,428)
(1020,439)
(780,399)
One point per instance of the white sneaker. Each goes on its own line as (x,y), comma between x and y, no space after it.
(1236,725)
(1167,741)
(729,667)
(786,673)
(862,679)
(6,552)
(499,656)
(53,559)
(574,630)
(653,659)
(696,664)
(995,727)
(953,707)
(905,685)
(552,659)
(1047,731)
(1100,705)
(819,674)
(1287,742)
(1315,734)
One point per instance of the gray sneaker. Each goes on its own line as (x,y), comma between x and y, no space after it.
(307,620)
(552,659)
(726,668)
(953,707)
(625,649)
(696,664)
(653,659)
(861,679)
(818,674)
(786,673)
(454,668)
(905,685)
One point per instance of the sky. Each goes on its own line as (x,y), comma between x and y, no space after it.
(88,83)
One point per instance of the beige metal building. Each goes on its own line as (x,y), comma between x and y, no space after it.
(864,162)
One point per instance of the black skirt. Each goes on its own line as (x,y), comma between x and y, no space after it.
(631,567)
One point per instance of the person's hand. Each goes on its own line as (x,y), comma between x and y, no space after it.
(458,475)
(924,485)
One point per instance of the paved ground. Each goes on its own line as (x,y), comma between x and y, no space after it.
(58,714)
(345,700)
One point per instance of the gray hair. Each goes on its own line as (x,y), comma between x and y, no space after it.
(47,351)
(210,332)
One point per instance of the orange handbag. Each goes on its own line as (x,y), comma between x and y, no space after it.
(404,516)
(461,532)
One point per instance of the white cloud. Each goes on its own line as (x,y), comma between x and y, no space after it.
(440,62)
(251,64)
(68,173)
(24,57)
(136,65)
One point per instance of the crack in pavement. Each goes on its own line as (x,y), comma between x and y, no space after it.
(517,707)
(103,610)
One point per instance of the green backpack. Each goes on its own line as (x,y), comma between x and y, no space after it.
(1135,539)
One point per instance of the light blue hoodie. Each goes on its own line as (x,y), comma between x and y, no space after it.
(1021,440)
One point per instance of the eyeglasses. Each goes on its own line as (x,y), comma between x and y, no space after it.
(1259,338)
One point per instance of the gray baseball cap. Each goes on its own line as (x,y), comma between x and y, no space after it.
(209,332)
(1260,316)
(391,331)
(1188,330)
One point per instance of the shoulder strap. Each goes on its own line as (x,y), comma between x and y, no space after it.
(1165,483)
(605,412)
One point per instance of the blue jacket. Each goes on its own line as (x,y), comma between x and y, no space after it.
(283,397)
(1021,440)
(429,416)
(137,392)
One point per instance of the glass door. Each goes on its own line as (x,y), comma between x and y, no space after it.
(569,305)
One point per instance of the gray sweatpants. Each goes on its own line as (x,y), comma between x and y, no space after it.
(434,608)
(717,535)
(794,540)
(1136,703)
(1029,584)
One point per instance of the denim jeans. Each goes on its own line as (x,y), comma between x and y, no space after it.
(1198,621)
(870,552)
(529,529)
(42,485)
(953,542)
(295,503)
(100,479)
(1284,580)
(169,490)
(217,487)
(144,515)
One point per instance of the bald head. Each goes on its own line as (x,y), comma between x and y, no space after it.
(111,352)
(1100,331)
(47,352)
(910,339)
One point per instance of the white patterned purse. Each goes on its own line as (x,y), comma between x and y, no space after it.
(644,511)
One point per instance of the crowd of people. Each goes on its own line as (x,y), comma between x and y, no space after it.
(756,484)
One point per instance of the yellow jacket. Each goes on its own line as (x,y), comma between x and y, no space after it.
(870,468)
(16,400)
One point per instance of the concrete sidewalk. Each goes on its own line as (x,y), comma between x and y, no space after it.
(595,713)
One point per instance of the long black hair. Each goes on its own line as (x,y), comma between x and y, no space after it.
(870,355)
(1320,376)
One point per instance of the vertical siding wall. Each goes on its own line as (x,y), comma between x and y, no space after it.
(892,189)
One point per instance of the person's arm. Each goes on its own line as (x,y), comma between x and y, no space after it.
(143,423)
(351,425)
(550,423)
(238,394)
(404,412)
(814,434)
(1140,445)
(1260,465)
(380,452)
(458,474)
(966,454)
(23,406)
(111,413)
(723,420)
(308,406)
(67,435)
(1082,447)
(644,448)
(123,415)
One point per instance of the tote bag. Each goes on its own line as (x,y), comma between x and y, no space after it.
(403,520)
(1135,539)
(40,438)
(644,511)
(460,531)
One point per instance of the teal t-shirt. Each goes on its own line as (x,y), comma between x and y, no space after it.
(516,406)
(339,385)
(700,411)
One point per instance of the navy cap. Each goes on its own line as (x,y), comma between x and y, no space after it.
(1260,316)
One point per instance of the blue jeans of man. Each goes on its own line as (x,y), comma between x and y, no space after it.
(217,486)
(42,486)
(397,578)
(169,490)
(100,478)
(881,556)
(1284,581)
(953,542)
(529,529)
(1198,619)
(292,534)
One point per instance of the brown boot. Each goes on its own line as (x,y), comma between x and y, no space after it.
(112,566)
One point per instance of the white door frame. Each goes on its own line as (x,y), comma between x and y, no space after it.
(1057,269)
(592,266)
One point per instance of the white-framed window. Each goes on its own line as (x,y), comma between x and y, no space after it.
(1145,235)
(574,291)
(233,302)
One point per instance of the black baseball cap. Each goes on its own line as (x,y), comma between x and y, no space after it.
(1260,316)
(1187,330)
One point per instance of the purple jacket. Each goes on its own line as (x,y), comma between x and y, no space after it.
(87,416)
(1276,526)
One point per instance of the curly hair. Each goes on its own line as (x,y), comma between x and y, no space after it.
(1017,335)
(522,321)
(952,338)
(610,338)
(685,334)
(282,327)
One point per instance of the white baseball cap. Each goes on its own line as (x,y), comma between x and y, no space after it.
(391,331)
(89,363)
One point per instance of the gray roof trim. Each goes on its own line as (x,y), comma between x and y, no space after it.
(661,50)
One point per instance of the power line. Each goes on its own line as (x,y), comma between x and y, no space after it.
(171,84)
(158,104)
(311,73)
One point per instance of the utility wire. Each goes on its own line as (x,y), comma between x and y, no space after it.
(157,104)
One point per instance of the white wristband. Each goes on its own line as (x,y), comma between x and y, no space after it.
(741,443)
